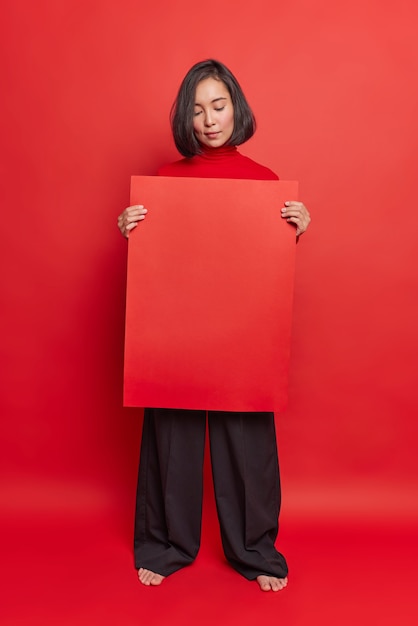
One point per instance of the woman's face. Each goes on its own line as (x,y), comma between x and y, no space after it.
(213,121)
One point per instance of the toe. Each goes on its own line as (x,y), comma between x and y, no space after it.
(157,579)
(279,583)
(264,583)
(144,576)
(147,577)
(271,583)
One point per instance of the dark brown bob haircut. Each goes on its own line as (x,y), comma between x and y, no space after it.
(182,112)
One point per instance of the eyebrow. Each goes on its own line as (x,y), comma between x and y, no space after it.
(197,104)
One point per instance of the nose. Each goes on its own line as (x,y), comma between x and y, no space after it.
(208,119)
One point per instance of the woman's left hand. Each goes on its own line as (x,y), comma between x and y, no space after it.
(296,213)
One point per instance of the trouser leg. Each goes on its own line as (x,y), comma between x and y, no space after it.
(170,489)
(247,490)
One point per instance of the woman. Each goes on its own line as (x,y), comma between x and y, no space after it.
(210,117)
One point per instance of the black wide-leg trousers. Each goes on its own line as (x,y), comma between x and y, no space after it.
(170,490)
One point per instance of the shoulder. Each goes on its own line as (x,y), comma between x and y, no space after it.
(177,168)
(256,170)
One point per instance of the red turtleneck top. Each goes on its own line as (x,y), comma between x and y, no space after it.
(223,162)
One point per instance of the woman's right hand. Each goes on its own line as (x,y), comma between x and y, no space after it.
(128,220)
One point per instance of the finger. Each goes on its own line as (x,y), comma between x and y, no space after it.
(294,220)
(129,227)
(130,219)
(287,213)
(135,210)
(291,211)
(134,214)
(299,213)
(300,225)
(293,203)
(134,218)
(124,219)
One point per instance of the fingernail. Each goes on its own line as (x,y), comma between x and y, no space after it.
(287,203)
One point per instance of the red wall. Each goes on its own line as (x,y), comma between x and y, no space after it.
(87,90)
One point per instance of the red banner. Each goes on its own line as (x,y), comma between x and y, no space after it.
(209,295)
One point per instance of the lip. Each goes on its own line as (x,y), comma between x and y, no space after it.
(212,135)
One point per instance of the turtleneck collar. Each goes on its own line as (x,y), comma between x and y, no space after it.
(217,153)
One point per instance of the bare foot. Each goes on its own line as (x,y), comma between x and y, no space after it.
(146,577)
(270,583)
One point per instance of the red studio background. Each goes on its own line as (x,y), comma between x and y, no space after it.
(86,91)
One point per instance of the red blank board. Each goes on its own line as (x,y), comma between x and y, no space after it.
(209,295)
